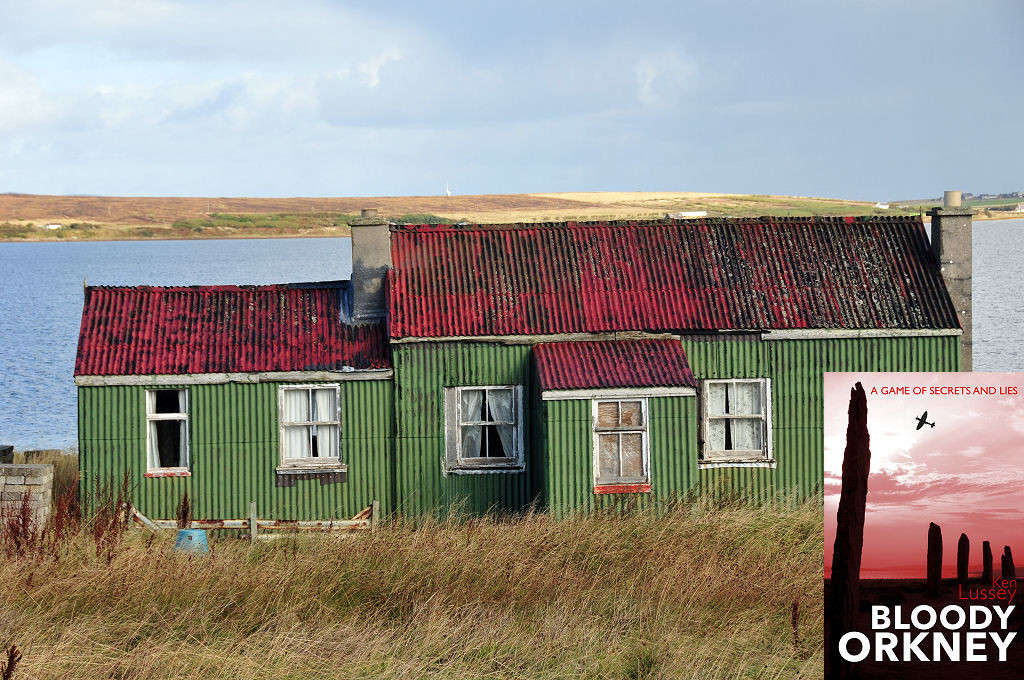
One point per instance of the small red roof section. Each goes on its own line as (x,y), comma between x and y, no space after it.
(612,363)
(682,275)
(224,329)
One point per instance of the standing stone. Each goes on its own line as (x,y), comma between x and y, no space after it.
(1008,570)
(846,555)
(986,564)
(963,552)
(934,558)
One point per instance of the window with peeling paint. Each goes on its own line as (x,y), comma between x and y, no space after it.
(484,428)
(736,423)
(621,446)
(310,425)
(167,431)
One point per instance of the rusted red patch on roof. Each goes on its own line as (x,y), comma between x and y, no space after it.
(709,274)
(223,329)
(612,363)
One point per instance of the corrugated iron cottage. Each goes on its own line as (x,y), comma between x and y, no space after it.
(574,365)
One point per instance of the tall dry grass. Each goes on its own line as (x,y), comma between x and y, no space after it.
(699,591)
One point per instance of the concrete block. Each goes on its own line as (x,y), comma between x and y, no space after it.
(19,479)
(14,496)
(16,488)
(21,469)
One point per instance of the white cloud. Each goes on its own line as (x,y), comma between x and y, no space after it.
(370,68)
(663,78)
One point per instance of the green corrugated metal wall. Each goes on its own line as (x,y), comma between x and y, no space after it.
(422,372)
(797,369)
(234,431)
(568,441)
(559,438)
(234,450)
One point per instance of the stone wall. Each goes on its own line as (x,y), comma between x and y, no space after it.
(34,481)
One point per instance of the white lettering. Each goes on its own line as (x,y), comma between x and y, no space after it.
(1002,644)
(916,619)
(911,646)
(879,618)
(944,617)
(975,643)
(885,643)
(865,647)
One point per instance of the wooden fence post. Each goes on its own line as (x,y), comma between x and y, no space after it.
(375,515)
(253,525)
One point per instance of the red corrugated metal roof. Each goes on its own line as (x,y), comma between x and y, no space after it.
(221,329)
(612,363)
(710,274)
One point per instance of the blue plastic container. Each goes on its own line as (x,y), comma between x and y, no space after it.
(192,540)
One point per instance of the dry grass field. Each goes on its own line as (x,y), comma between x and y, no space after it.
(106,218)
(701,590)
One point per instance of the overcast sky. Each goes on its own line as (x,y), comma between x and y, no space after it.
(870,100)
(966,473)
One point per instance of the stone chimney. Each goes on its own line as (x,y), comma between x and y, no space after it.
(951,247)
(371,258)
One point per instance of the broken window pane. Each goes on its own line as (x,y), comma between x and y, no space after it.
(166,429)
(166,443)
(168,401)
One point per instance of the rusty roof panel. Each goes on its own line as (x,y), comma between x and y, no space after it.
(711,274)
(612,363)
(223,329)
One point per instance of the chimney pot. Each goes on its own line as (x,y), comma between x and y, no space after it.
(372,212)
(951,199)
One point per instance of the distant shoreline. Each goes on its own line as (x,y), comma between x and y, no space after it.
(113,218)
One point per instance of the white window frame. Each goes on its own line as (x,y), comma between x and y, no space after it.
(151,417)
(454,461)
(643,429)
(320,462)
(737,458)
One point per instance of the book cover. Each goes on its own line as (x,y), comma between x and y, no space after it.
(924,517)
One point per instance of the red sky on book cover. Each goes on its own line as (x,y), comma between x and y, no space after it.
(965,473)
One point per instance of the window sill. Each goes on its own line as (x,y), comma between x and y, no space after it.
(484,469)
(169,472)
(622,488)
(305,469)
(734,462)
(288,476)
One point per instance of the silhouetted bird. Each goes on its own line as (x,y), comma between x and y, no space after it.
(922,420)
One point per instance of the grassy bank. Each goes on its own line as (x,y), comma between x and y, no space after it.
(23,217)
(699,592)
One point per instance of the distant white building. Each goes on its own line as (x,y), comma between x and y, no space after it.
(882,206)
(53,226)
(683,215)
